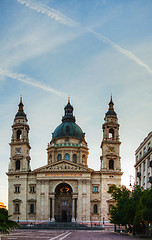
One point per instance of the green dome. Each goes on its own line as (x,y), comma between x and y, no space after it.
(68,127)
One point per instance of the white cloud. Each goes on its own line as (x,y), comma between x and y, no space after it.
(123,51)
(19,46)
(50,12)
(25,79)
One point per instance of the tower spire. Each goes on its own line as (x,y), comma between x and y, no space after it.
(111,97)
(20,98)
(111,111)
(20,112)
(111,104)
(21,105)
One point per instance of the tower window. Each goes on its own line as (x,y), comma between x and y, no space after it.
(74,158)
(32,189)
(111,164)
(32,208)
(59,157)
(17,189)
(95,209)
(17,208)
(67,157)
(111,133)
(17,165)
(19,134)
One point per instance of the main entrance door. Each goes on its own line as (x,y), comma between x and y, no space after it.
(64,216)
(63,203)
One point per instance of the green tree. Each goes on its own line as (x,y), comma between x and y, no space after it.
(126,210)
(122,213)
(144,213)
(5,224)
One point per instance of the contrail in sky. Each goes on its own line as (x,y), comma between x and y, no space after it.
(30,81)
(50,12)
(59,17)
(121,50)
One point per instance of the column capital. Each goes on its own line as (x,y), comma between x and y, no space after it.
(74,195)
(52,195)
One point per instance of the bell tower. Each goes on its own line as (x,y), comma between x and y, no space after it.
(20,147)
(110,159)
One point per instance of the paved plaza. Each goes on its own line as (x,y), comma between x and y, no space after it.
(64,234)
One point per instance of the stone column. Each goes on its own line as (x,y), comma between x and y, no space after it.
(73,208)
(71,154)
(38,197)
(76,209)
(53,157)
(53,208)
(80,156)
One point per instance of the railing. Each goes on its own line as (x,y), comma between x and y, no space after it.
(111,139)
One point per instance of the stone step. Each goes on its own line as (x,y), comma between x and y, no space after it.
(59,225)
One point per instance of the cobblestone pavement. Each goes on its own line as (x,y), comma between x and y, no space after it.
(64,234)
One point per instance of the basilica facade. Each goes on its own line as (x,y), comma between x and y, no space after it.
(66,189)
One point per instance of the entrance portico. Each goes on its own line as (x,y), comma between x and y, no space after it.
(63,205)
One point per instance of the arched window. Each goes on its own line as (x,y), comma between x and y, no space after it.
(95,209)
(67,157)
(111,164)
(59,157)
(19,134)
(111,133)
(17,165)
(74,158)
(32,208)
(83,160)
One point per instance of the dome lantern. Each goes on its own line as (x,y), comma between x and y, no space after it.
(111,111)
(68,116)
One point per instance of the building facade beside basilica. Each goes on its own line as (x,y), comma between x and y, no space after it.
(65,189)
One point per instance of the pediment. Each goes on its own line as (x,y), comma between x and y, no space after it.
(31,200)
(63,166)
(16,200)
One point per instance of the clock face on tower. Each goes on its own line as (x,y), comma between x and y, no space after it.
(111,149)
(18,150)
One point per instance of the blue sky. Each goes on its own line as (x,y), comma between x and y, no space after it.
(52,49)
